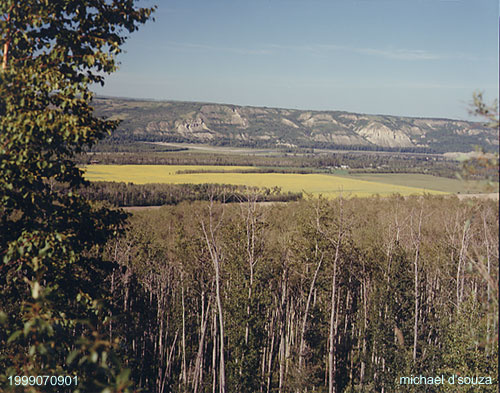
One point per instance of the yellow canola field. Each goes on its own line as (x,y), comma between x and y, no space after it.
(316,184)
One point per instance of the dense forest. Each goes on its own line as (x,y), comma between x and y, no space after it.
(311,296)
(156,194)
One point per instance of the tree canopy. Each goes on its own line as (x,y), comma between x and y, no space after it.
(52,301)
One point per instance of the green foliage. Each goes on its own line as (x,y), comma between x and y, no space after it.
(485,111)
(482,164)
(165,264)
(51,273)
(156,194)
(466,340)
(393,297)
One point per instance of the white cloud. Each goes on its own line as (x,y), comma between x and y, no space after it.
(406,54)
(398,54)
(216,48)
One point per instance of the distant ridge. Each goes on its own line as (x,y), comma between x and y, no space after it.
(234,125)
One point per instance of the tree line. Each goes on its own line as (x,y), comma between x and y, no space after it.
(133,147)
(369,162)
(443,141)
(310,296)
(156,194)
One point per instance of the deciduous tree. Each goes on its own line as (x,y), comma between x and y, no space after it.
(51,300)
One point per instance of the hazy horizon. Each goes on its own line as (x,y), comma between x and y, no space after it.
(400,58)
(149,99)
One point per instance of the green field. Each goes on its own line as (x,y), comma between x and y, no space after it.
(316,184)
(436,183)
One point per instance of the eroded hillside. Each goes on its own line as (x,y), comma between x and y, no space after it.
(219,124)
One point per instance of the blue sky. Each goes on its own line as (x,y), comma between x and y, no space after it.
(400,57)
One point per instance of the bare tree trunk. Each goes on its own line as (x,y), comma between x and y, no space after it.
(270,357)
(284,294)
(215,256)
(333,300)
(171,355)
(282,360)
(488,289)
(198,368)
(331,337)
(251,237)
(365,322)
(8,40)
(5,54)
(214,353)
(184,368)
(306,313)
(335,334)
(263,368)
(290,333)
(222,374)
(461,261)
(250,221)
(162,330)
(416,294)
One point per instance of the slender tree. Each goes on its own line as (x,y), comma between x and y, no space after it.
(210,230)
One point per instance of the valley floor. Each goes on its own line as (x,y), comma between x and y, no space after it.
(328,185)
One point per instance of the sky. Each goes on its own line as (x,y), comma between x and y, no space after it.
(422,58)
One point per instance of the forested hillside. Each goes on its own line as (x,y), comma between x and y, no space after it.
(319,295)
(233,125)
